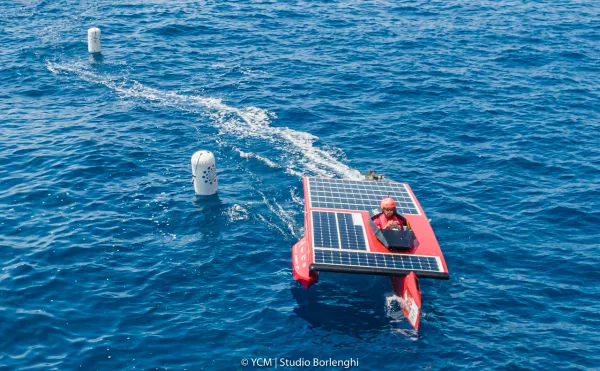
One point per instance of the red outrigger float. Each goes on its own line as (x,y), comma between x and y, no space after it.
(341,237)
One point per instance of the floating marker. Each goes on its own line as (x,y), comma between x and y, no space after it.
(94,40)
(204,173)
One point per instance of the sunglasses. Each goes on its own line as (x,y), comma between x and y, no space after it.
(388,209)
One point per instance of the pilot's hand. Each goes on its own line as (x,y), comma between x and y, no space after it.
(391,223)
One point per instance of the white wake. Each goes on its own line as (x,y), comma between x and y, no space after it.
(300,156)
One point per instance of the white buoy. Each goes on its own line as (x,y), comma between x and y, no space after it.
(204,173)
(94,40)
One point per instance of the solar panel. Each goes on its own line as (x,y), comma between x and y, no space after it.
(358,195)
(325,232)
(338,230)
(338,260)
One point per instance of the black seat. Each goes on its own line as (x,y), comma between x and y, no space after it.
(396,239)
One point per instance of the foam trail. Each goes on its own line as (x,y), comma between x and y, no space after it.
(281,213)
(236,213)
(258,157)
(250,122)
(273,226)
(266,161)
(286,216)
(296,198)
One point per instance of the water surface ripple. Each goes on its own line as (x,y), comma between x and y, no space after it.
(108,261)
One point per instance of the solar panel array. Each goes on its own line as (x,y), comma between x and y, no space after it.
(358,195)
(345,258)
(339,240)
(338,230)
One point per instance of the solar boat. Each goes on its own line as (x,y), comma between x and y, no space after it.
(341,237)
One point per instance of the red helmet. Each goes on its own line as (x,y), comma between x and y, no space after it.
(388,203)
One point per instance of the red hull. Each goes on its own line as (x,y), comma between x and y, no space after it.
(301,264)
(408,289)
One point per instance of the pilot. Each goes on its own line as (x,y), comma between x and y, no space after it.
(389,217)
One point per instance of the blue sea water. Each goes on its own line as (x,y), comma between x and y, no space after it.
(489,110)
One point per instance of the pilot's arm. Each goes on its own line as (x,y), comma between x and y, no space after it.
(377,223)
